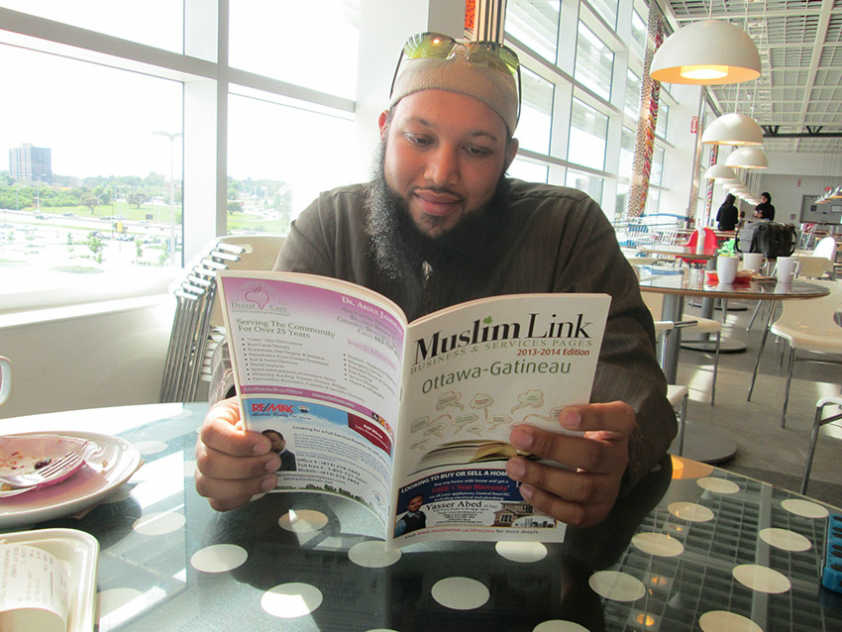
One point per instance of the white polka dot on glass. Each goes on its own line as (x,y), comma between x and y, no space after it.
(718,485)
(373,554)
(691,512)
(724,621)
(219,558)
(761,578)
(115,598)
(288,601)
(658,544)
(460,593)
(302,520)
(785,539)
(150,447)
(616,586)
(558,625)
(804,508)
(158,523)
(521,552)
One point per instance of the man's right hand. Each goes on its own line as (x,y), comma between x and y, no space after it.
(232,464)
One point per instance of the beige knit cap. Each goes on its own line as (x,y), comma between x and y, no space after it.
(494,87)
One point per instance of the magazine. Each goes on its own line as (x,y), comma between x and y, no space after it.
(410,419)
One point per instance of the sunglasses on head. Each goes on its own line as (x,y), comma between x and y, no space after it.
(438,46)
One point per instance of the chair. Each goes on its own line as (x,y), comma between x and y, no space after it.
(654,302)
(709,246)
(807,266)
(677,394)
(813,267)
(818,422)
(809,327)
(826,248)
(197,328)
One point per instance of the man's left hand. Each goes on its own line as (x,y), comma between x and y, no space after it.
(584,493)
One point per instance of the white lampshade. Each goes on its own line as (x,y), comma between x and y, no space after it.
(751,157)
(733,129)
(720,173)
(707,52)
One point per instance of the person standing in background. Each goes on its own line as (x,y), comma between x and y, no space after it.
(727,215)
(765,210)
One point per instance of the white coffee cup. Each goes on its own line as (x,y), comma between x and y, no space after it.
(726,269)
(787,267)
(753,261)
(5,378)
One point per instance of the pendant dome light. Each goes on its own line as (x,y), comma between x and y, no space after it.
(708,52)
(733,129)
(721,173)
(750,157)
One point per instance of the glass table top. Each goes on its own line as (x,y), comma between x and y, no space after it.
(692,547)
(693,282)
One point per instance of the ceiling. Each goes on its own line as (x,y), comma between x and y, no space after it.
(800,83)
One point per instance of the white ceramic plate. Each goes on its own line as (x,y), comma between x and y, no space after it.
(80,551)
(20,454)
(105,469)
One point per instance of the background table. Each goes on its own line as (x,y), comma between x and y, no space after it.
(148,582)
(676,284)
(702,442)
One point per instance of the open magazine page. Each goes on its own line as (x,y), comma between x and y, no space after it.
(473,373)
(317,368)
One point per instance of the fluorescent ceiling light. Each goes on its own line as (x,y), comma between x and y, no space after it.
(707,52)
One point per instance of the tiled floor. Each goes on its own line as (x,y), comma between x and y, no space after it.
(755,426)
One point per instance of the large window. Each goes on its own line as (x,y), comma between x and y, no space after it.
(589,146)
(594,62)
(656,174)
(125,137)
(535,24)
(632,97)
(627,141)
(607,9)
(529,170)
(158,23)
(638,31)
(280,40)
(109,194)
(533,130)
(662,122)
(592,185)
(588,130)
(653,195)
(277,165)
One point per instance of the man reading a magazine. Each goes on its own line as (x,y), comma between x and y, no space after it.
(439,224)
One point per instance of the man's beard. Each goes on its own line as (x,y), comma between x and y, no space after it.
(400,247)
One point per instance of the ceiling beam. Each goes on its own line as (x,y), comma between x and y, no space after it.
(821,37)
(813,131)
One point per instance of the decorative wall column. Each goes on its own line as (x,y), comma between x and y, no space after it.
(645,141)
(484,20)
